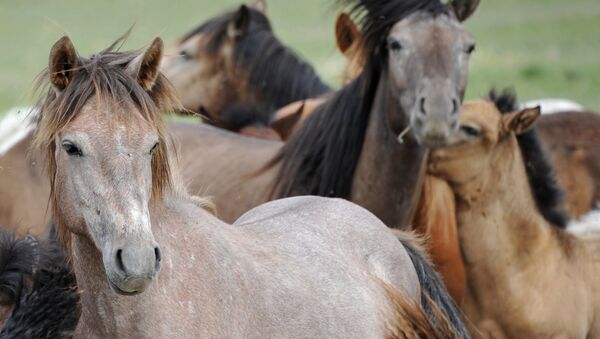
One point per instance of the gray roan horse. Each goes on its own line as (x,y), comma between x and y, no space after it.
(304,267)
(417,54)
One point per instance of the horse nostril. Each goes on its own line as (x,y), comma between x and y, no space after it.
(119,260)
(422,106)
(158,257)
(454,106)
(157,254)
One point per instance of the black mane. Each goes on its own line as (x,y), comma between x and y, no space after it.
(547,193)
(276,74)
(320,159)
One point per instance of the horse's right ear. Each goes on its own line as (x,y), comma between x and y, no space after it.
(239,23)
(62,62)
(463,9)
(346,32)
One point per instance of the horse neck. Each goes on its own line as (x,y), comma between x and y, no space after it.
(286,87)
(498,221)
(389,174)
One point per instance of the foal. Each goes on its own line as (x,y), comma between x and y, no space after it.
(527,278)
(304,267)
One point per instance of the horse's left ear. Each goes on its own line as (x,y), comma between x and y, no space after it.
(346,32)
(520,121)
(145,67)
(239,22)
(463,9)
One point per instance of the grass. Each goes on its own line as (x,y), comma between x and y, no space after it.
(543,48)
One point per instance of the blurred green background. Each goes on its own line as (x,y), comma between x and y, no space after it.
(543,48)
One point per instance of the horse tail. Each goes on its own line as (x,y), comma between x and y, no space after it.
(437,304)
(49,306)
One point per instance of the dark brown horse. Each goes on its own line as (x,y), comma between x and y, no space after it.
(233,69)
(132,230)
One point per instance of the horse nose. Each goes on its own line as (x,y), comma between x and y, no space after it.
(138,261)
(425,111)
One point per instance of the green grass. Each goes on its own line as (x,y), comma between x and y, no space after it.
(543,48)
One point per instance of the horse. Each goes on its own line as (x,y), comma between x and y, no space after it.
(511,251)
(146,255)
(38,294)
(234,61)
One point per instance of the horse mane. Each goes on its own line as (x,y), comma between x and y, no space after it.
(321,157)
(547,193)
(275,73)
(103,75)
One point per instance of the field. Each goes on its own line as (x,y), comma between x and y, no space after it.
(543,48)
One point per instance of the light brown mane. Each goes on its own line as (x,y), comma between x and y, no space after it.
(105,77)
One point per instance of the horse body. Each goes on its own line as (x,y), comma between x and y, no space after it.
(512,259)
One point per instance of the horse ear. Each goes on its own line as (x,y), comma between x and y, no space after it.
(520,121)
(260,5)
(239,22)
(284,123)
(62,62)
(346,32)
(145,67)
(463,9)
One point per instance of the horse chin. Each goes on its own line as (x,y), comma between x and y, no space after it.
(115,288)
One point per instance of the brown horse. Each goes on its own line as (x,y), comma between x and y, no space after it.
(234,61)
(305,267)
(513,259)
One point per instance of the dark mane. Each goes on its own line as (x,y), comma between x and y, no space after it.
(105,77)
(320,159)
(276,74)
(547,193)
(17,259)
(49,306)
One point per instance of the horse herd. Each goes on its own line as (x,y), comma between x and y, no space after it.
(296,210)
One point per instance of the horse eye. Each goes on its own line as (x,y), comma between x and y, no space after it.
(71,149)
(470,49)
(470,131)
(154,148)
(394,46)
(185,55)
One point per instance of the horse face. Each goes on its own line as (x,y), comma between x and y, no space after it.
(428,59)
(198,75)
(105,185)
(203,67)
(479,143)
(105,158)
